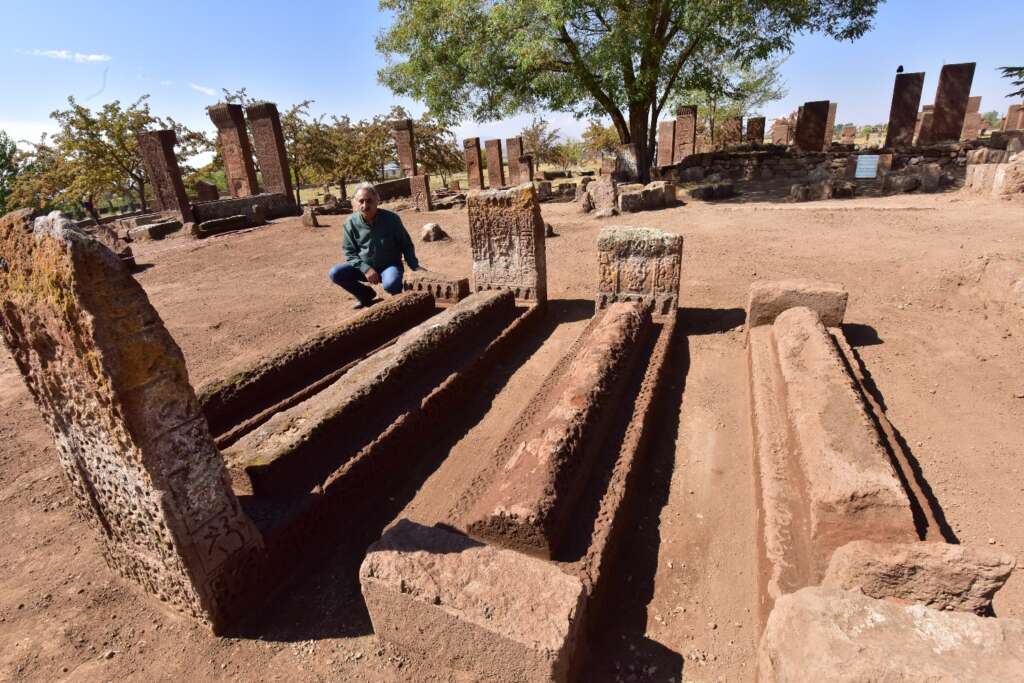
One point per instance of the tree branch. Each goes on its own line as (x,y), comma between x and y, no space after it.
(590,81)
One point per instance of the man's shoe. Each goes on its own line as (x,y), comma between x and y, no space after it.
(363,304)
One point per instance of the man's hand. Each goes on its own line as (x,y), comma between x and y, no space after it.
(373,276)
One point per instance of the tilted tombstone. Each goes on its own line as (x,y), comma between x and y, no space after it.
(514,150)
(506,234)
(686,133)
(112,386)
(906,97)
(206,192)
(972,119)
(810,126)
(639,264)
(233,141)
(268,140)
(922,131)
(161,163)
(830,124)
(1014,117)
(755,130)
(731,131)
(405,140)
(780,132)
(666,143)
(495,164)
(951,101)
(474,163)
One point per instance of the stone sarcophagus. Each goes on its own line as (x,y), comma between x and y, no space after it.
(639,264)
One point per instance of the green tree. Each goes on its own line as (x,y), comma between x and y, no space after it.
(623,59)
(437,151)
(599,139)
(1016,76)
(569,153)
(8,168)
(42,178)
(540,140)
(992,118)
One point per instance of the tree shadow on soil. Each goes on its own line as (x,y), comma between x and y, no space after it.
(699,321)
(618,646)
(325,601)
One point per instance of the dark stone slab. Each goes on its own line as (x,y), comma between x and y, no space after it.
(161,163)
(906,98)
(405,140)
(495,164)
(514,150)
(951,101)
(666,143)
(474,163)
(811,126)
(268,139)
(686,133)
(233,141)
(755,130)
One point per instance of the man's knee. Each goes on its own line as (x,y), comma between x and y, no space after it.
(391,280)
(342,273)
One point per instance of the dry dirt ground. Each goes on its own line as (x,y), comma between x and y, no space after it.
(948,364)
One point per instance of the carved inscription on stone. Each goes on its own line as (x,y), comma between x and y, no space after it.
(161,163)
(268,140)
(233,141)
(686,133)
(405,140)
(514,150)
(731,132)
(639,264)
(495,164)
(507,237)
(420,185)
(474,163)
(111,385)
(810,126)
(951,100)
(755,130)
(666,143)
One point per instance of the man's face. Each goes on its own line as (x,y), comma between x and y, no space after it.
(366,204)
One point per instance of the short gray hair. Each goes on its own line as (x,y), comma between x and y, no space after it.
(369,187)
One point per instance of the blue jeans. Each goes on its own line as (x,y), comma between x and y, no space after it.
(351,279)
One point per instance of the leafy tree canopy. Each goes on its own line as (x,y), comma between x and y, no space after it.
(8,168)
(1016,76)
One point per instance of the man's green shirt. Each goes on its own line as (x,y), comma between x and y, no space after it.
(378,246)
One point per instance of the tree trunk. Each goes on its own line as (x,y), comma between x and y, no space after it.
(298,187)
(638,128)
(141,189)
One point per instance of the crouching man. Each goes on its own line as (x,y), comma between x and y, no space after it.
(374,243)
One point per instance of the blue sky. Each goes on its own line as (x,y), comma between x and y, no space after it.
(183,53)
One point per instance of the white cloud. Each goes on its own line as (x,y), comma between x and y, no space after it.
(67,56)
(166,82)
(27,130)
(203,89)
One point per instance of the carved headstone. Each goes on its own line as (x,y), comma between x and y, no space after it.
(1014,118)
(923,128)
(639,264)
(686,133)
(628,162)
(474,163)
(161,163)
(268,140)
(233,141)
(526,168)
(811,126)
(972,119)
(731,132)
(420,185)
(112,386)
(951,101)
(495,164)
(405,140)
(780,132)
(206,192)
(666,143)
(849,135)
(906,97)
(830,124)
(514,149)
(506,234)
(755,130)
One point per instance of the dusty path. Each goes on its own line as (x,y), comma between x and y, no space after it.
(947,364)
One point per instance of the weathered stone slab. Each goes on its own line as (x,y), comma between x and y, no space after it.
(267,205)
(233,141)
(161,164)
(480,612)
(951,101)
(849,135)
(830,124)
(506,234)
(309,218)
(826,634)
(526,170)
(405,140)
(937,575)
(780,133)
(514,149)
(474,163)
(755,130)
(731,132)
(686,133)
(972,126)
(298,448)
(628,162)
(811,126)
(495,164)
(639,264)
(420,186)
(444,288)
(215,226)
(206,192)
(604,197)
(531,503)
(1014,118)
(666,143)
(154,231)
(112,386)
(268,143)
(390,189)
(769,298)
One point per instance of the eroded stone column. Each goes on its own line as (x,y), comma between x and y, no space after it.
(495,164)
(506,233)
(112,386)
(474,163)
(405,140)
(161,163)
(666,143)
(686,132)
(514,150)
(233,141)
(268,139)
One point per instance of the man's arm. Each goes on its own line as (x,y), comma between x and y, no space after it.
(408,250)
(351,248)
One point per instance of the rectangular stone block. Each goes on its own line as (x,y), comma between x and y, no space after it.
(480,612)
(161,164)
(474,163)
(1014,117)
(233,142)
(972,126)
(506,233)
(780,133)
(686,133)
(420,187)
(974,104)
(731,132)
(811,126)
(526,168)
(769,298)
(639,264)
(405,141)
(495,164)
(112,386)
(923,129)
(849,135)
(906,98)
(830,124)
(389,189)
(444,288)
(531,503)
(951,101)
(268,141)
(514,150)
(267,205)
(666,143)
(755,130)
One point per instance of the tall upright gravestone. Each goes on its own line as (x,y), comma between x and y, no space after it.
(686,133)
(755,130)
(514,148)
(474,163)
(112,387)
(972,119)
(906,97)
(830,124)
(268,139)
(161,163)
(405,141)
(951,101)
(495,164)
(810,126)
(666,143)
(731,131)
(233,141)
(506,234)
(639,264)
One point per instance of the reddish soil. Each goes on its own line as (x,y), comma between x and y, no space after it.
(948,365)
